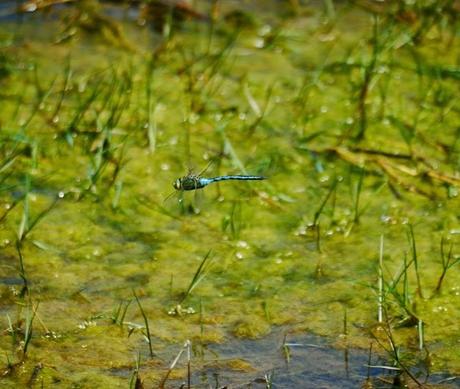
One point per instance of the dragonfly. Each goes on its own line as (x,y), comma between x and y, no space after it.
(194,182)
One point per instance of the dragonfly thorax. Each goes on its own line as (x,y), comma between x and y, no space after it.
(190,182)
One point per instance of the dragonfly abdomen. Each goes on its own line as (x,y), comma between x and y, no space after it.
(236,177)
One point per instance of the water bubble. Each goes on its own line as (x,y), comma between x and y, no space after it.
(455,291)
(385,219)
(301,231)
(30,7)
(242,244)
(452,191)
(382,69)
(259,43)
(264,30)
(193,118)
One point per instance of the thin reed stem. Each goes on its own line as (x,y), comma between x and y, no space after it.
(146,323)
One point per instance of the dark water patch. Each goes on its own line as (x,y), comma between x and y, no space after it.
(301,361)
(11,281)
(25,11)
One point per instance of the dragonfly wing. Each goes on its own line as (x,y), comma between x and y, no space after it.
(169,196)
(206,168)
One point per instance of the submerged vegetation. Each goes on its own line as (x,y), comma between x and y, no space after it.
(350,111)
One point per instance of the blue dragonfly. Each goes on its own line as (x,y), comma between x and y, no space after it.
(194,182)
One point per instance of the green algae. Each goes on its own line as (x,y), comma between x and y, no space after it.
(85,255)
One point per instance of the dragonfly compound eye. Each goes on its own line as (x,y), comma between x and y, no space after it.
(177,184)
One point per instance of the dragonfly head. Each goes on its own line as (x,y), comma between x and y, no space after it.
(177,184)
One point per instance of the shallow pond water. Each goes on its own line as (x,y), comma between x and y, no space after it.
(352,118)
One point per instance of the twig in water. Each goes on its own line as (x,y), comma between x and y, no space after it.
(187,346)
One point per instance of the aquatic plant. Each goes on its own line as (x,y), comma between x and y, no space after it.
(135,381)
(146,323)
(393,350)
(22,271)
(368,71)
(4,66)
(200,274)
(27,223)
(119,314)
(448,260)
(357,196)
(151,124)
(315,224)
(30,316)
(233,220)
(411,239)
